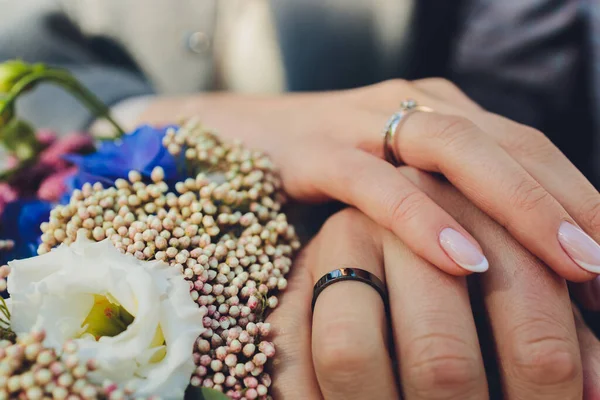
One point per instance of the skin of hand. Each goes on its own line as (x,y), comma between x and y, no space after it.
(330,146)
(348,349)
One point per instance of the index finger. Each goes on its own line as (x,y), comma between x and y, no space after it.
(376,188)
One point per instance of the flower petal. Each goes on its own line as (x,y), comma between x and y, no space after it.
(56,292)
(140,150)
(21,222)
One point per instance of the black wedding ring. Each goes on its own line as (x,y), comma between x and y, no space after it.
(349,274)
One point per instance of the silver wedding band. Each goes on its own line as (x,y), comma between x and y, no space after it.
(389,150)
(349,274)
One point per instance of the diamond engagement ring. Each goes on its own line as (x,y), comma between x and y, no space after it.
(389,150)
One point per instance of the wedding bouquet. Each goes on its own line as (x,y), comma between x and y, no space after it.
(138,267)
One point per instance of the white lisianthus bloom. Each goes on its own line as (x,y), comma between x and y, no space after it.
(135,318)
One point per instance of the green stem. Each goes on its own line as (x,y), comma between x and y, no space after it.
(65,80)
(4,308)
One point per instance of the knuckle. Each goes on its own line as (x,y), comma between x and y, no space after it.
(590,212)
(442,83)
(350,229)
(542,356)
(454,131)
(406,207)
(347,220)
(341,354)
(387,91)
(530,143)
(395,84)
(528,195)
(442,364)
(533,136)
(447,90)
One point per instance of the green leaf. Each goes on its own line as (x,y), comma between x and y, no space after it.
(197,393)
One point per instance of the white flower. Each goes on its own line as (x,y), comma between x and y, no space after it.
(141,313)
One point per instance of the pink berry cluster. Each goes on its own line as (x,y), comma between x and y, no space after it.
(223,229)
(30,371)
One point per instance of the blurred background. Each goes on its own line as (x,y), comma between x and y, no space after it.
(534,61)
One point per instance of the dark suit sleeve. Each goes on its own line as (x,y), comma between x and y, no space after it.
(520,58)
(39,31)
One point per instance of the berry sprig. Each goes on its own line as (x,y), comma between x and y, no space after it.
(223,230)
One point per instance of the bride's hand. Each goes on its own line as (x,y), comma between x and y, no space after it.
(329,146)
(342,351)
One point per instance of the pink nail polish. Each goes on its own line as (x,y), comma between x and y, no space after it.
(462,251)
(580,247)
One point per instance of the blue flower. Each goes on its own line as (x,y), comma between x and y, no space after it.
(141,150)
(21,222)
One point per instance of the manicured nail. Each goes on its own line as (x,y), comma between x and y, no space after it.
(462,251)
(580,247)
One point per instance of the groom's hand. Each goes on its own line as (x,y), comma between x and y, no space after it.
(341,352)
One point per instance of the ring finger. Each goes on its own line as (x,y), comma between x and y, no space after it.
(349,337)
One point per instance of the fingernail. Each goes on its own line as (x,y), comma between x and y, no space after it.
(580,247)
(462,251)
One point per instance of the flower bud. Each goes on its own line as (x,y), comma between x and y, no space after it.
(221,353)
(216,365)
(236,346)
(205,360)
(231,360)
(240,370)
(11,72)
(34,393)
(249,350)
(267,348)
(230,381)
(250,382)
(257,371)
(259,359)
(219,378)
(244,337)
